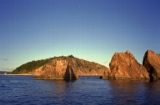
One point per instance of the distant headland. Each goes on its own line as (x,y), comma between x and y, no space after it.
(122,66)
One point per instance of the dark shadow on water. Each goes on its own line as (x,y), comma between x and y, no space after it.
(59,81)
(152,93)
(60,86)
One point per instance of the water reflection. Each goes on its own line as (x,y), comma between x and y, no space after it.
(134,92)
(86,90)
(91,90)
(60,86)
(123,91)
(152,92)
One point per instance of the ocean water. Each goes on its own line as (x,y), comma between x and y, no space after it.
(24,90)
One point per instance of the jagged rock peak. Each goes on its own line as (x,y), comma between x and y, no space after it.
(70,73)
(151,61)
(121,55)
(125,66)
(127,52)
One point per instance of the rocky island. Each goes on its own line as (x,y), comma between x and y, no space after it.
(123,65)
(62,67)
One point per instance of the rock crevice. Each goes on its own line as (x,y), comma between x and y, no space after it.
(70,74)
(151,62)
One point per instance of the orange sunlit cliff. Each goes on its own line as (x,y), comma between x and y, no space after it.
(122,66)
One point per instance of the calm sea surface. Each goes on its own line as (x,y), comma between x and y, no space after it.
(23,90)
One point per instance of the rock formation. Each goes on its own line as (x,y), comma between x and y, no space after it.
(70,68)
(67,68)
(151,61)
(122,66)
(70,74)
(125,66)
(55,69)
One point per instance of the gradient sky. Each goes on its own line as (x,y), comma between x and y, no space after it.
(89,29)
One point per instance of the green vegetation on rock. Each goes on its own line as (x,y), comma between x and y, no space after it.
(30,66)
(50,66)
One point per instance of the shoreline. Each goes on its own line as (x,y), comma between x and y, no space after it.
(19,74)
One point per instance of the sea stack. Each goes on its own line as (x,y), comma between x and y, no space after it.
(70,74)
(151,61)
(125,66)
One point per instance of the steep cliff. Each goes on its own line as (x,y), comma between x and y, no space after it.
(125,66)
(152,63)
(64,68)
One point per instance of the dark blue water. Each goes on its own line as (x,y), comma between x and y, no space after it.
(23,90)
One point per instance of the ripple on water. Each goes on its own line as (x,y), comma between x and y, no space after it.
(18,90)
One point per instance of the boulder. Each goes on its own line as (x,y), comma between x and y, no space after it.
(125,66)
(151,61)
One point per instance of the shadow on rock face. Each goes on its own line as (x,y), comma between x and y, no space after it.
(70,74)
(151,62)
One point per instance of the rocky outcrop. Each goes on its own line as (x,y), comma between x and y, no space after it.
(70,74)
(55,69)
(151,61)
(59,70)
(125,66)
(122,66)
(67,68)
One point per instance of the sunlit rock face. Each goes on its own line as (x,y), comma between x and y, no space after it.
(125,66)
(56,69)
(69,68)
(151,61)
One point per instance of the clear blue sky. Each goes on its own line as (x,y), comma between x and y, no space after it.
(89,29)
